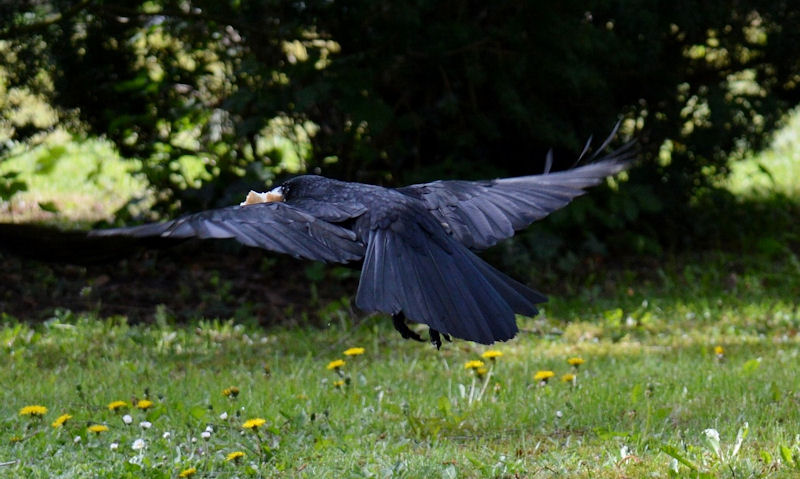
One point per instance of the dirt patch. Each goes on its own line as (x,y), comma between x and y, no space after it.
(191,280)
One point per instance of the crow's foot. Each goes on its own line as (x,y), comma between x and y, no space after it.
(399,321)
(436,338)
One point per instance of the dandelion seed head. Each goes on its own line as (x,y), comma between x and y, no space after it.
(205,435)
(138,444)
(223,416)
(127,419)
(113,446)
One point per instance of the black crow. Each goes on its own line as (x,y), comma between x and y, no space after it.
(416,242)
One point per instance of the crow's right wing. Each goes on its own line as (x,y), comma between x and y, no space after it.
(275,226)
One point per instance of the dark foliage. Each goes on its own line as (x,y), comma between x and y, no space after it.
(398,92)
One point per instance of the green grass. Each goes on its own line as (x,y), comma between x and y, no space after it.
(650,387)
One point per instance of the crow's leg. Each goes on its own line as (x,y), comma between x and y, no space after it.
(436,337)
(399,321)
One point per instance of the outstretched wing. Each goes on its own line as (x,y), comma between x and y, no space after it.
(273,226)
(481,213)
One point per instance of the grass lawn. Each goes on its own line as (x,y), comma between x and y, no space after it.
(643,404)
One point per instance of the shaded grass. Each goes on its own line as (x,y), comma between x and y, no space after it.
(651,383)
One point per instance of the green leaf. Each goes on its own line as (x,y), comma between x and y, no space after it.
(48,206)
(673,452)
(751,366)
(786,455)
(711,437)
(740,436)
(637,393)
(775,391)
(607,434)
(198,412)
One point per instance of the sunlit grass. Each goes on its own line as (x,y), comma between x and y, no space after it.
(653,380)
(83,181)
(773,171)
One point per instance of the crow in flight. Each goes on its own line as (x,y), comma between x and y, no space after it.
(416,242)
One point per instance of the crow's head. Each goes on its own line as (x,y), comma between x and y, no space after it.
(311,187)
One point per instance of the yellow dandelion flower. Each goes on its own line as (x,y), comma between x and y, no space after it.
(234,456)
(254,423)
(474,364)
(719,350)
(97,428)
(568,378)
(188,472)
(354,352)
(339,383)
(575,362)
(491,354)
(481,371)
(15,439)
(335,364)
(144,404)
(37,411)
(543,375)
(115,405)
(61,420)
(230,392)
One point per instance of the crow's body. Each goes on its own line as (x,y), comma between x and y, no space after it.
(415,242)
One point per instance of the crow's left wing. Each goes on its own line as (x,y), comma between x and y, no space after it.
(481,213)
(274,226)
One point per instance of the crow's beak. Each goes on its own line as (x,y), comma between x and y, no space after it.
(273,195)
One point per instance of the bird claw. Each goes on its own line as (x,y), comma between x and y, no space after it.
(399,322)
(436,338)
